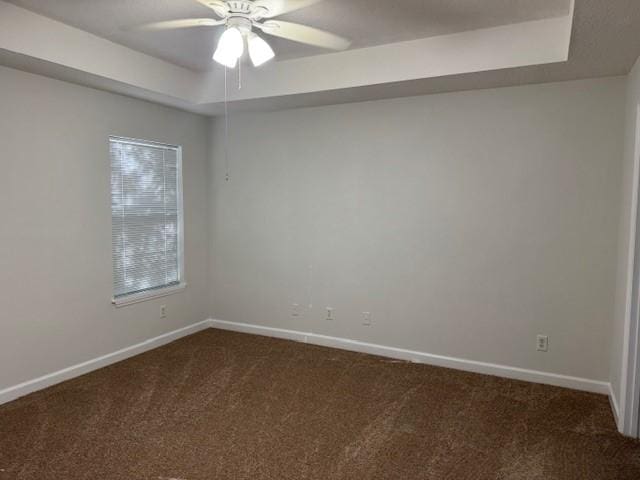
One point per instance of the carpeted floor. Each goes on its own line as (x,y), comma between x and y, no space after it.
(220,405)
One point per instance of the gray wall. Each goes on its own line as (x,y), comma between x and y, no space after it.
(620,322)
(55,233)
(467,223)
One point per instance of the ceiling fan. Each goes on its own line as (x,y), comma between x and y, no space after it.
(241,17)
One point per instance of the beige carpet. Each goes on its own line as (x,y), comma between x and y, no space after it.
(220,405)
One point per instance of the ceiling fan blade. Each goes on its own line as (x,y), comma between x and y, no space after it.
(218,6)
(173,24)
(280,7)
(304,34)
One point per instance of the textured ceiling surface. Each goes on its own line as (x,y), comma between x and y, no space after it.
(365,22)
(605,42)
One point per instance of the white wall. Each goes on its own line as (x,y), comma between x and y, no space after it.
(621,317)
(467,223)
(55,232)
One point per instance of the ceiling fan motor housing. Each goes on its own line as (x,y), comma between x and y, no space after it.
(246,8)
(240,6)
(241,23)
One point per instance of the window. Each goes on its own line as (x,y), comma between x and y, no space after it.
(146,216)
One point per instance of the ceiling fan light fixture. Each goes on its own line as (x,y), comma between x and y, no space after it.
(230,47)
(240,17)
(223,58)
(259,50)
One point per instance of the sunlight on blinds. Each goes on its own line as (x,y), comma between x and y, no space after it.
(145,216)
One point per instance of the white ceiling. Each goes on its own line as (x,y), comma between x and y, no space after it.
(590,38)
(366,22)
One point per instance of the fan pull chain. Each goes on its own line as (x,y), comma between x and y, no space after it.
(226,127)
(239,74)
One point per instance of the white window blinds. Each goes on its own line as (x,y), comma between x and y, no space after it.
(146,214)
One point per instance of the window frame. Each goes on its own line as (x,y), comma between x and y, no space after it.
(163,291)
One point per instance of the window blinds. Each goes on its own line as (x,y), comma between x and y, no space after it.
(146,216)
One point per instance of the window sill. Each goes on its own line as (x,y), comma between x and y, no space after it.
(145,296)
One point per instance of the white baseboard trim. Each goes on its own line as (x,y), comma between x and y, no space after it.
(22,389)
(515,373)
(575,383)
(615,408)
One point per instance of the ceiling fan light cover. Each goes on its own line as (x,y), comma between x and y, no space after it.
(223,58)
(259,50)
(230,47)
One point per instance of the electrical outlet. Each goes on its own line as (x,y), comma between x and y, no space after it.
(295,310)
(366,319)
(163,311)
(542,344)
(329,313)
